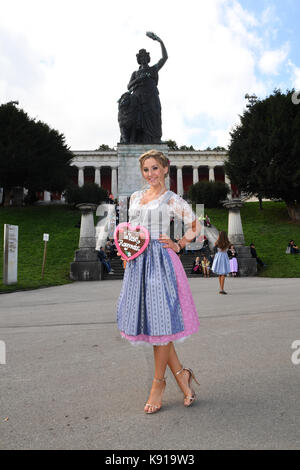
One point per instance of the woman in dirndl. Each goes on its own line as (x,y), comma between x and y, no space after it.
(221,265)
(156,306)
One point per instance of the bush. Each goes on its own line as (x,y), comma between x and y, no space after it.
(209,193)
(89,192)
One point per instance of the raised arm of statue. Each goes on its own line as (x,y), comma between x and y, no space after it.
(164,58)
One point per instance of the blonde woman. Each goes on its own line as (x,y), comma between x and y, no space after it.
(155,304)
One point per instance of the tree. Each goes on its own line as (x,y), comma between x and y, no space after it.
(105,147)
(89,193)
(209,193)
(32,155)
(172,145)
(264,153)
(186,148)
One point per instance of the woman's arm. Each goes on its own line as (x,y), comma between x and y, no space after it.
(190,234)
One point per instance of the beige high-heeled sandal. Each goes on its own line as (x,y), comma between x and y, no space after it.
(192,397)
(156,408)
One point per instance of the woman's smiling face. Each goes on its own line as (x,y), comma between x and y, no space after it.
(154,173)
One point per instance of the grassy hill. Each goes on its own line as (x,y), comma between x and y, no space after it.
(269,229)
(59,222)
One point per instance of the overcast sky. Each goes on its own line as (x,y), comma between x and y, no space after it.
(67,62)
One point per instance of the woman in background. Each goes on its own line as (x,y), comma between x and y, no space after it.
(221,265)
(233,261)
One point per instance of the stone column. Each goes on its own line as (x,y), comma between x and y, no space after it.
(10,254)
(195,175)
(47,196)
(98,176)
(81,176)
(247,264)
(227,181)
(114,182)
(211,173)
(179,181)
(235,228)
(168,181)
(86,265)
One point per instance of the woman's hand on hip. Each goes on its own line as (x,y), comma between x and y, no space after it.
(168,243)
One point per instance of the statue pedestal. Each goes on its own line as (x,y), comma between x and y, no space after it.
(247,264)
(86,265)
(129,173)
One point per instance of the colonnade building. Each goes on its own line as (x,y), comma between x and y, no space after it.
(186,168)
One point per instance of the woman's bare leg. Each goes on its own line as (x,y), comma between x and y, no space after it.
(173,361)
(161,355)
(221,281)
(182,379)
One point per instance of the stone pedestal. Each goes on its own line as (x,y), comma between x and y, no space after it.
(129,173)
(235,228)
(10,254)
(247,264)
(86,265)
(47,196)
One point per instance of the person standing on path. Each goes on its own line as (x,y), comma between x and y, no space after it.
(156,304)
(221,265)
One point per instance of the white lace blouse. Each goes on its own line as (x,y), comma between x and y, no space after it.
(156,215)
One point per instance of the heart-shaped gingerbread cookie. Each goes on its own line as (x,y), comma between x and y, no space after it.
(131,241)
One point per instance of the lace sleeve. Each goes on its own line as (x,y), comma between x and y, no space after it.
(133,198)
(180,208)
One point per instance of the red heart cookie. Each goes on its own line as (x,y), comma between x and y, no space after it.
(131,241)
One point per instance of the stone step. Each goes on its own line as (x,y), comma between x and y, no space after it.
(187,260)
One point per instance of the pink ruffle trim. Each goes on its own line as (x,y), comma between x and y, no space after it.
(188,308)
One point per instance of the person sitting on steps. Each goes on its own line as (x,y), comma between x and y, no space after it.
(103,259)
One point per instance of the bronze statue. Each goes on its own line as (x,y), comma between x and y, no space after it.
(139,108)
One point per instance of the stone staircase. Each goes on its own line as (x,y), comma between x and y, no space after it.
(117,266)
(187,260)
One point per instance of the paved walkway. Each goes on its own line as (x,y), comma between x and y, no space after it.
(71,382)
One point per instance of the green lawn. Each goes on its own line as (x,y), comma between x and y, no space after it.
(269,229)
(59,222)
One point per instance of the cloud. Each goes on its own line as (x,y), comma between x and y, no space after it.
(295,75)
(271,61)
(68,63)
(20,72)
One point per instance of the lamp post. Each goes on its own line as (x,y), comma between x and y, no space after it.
(252,99)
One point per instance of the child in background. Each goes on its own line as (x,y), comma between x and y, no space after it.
(205,266)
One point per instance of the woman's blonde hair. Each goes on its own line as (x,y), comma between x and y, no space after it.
(158,156)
